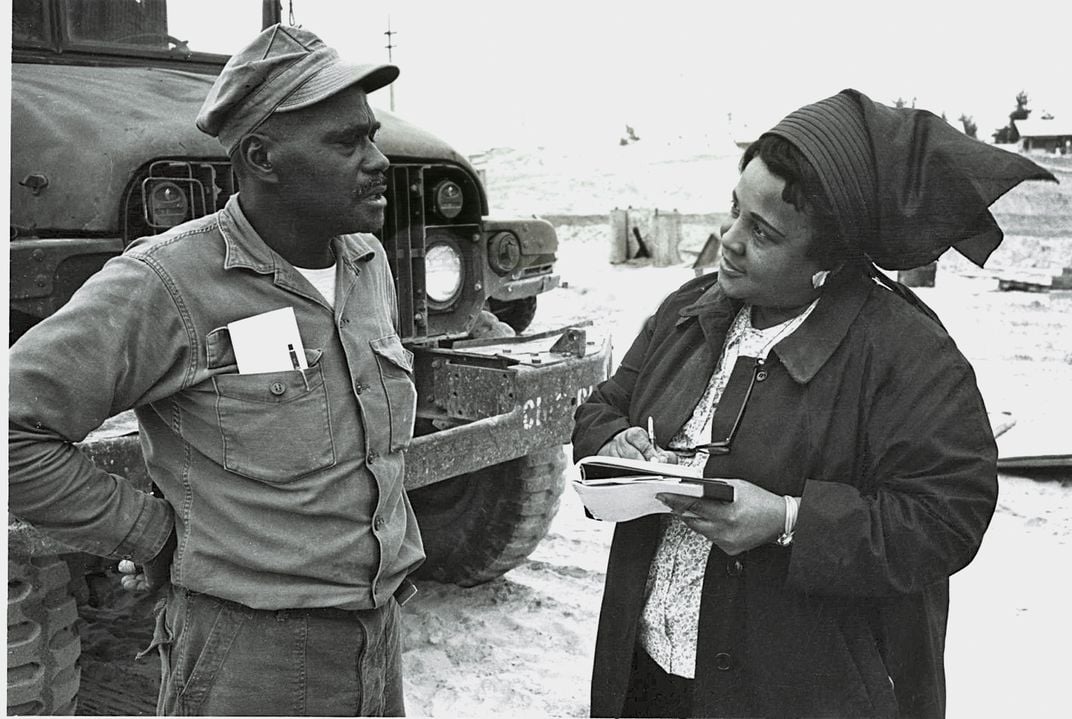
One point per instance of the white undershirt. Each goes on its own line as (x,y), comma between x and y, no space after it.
(323,280)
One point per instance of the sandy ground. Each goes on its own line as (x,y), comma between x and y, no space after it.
(522,645)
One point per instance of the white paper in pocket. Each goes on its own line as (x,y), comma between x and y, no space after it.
(268,342)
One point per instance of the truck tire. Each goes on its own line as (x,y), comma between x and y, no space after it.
(42,638)
(478,526)
(516,313)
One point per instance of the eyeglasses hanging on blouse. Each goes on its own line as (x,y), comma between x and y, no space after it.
(731,407)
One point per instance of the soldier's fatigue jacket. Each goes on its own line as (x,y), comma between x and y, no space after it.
(285,488)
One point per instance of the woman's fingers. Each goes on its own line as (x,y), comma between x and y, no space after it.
(634,443)
(638,440)
(631,443)
(755,518)
(664,456)
(689,507)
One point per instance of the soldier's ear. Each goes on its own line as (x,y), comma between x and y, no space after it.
(254,156)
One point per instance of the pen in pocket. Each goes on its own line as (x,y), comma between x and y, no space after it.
(293,357)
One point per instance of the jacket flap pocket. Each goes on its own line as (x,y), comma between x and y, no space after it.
(391,349)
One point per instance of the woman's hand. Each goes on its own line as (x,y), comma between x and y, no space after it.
(754,518)
(633,443)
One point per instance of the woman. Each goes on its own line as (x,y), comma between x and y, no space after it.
(848,421)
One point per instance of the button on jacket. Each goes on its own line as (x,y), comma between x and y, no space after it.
(285,488)
(871,415)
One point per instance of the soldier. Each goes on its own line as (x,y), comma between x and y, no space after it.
(282,522)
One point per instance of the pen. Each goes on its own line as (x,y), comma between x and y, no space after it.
(293,357)
(651,431)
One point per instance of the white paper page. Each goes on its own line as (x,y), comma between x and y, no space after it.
(622,502)
(268,342)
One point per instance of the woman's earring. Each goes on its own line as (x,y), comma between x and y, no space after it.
(819,278)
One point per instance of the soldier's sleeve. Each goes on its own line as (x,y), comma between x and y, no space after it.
(118,343)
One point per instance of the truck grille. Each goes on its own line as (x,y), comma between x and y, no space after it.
(410,226)
(403,238)
(170,191)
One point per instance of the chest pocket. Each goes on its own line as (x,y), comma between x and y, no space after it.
(275,426)
(395,364)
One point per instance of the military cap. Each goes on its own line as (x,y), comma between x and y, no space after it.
(283,69)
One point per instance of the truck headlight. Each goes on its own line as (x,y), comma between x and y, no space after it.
(442,274)
(168,204)
(504,252)
(448,199)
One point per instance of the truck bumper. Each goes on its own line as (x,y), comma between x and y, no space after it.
(528,287)
(502,399)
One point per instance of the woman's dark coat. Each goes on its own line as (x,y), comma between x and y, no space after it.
(871,414)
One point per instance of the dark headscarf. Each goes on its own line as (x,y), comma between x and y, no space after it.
(905,185)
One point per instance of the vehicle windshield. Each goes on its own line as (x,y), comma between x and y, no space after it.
(178,27)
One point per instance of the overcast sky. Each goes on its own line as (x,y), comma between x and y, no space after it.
(484,72)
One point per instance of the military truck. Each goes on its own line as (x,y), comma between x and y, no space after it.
(104,150)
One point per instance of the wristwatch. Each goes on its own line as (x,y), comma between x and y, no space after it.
(786,537)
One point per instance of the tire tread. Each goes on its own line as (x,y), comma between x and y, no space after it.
(508,510)
(43,642)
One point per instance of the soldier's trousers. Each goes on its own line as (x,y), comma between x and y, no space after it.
(222,658)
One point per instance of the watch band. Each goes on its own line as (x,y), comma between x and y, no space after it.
(786,537)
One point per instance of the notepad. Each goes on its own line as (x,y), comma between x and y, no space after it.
(268,342)
(617,490)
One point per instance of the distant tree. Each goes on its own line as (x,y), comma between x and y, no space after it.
(968,122)
(1021,112)
(1009,133)
(900,102)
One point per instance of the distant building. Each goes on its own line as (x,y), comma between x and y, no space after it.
(1050,136)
